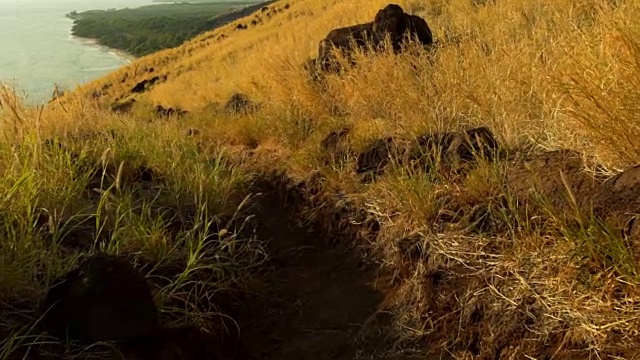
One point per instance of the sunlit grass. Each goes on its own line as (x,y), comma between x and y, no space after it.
(553,75)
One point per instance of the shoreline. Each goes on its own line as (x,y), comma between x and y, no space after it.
(94,42)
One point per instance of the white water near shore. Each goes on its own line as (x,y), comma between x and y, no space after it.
(37,50)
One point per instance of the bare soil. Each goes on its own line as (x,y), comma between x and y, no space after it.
(317,301)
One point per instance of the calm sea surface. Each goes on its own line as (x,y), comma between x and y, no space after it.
(37,50)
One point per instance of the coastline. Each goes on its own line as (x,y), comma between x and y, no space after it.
(93,42)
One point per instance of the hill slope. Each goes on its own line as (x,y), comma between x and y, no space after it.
(522,246)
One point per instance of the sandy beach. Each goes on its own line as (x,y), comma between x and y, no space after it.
(93,42)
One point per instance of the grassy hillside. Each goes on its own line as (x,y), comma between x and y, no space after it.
(499,262)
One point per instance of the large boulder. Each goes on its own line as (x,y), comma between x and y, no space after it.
(103,299)
(391,22)
(345,39)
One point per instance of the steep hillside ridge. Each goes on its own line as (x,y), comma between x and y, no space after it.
(233,58)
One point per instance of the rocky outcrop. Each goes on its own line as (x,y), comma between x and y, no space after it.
(391,23)
(103,299)
(441,151)
(123,106)
(375,157)
(147,84)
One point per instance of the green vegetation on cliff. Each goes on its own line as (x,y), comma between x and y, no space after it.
(148,29)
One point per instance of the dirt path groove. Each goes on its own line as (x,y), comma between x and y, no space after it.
(315,301)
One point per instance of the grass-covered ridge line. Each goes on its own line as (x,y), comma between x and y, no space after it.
(147,29)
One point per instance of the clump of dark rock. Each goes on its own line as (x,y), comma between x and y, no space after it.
(241,27)
(146,84)
(390,23)
(346,39)
(96,95)
(123,106)
(239,103)
(453,150)
(336,146)
(440,151)
(162,111)
(394,23)
(256,21)
(375,157)
(103,299)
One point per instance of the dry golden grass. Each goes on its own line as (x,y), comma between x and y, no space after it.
(556,74)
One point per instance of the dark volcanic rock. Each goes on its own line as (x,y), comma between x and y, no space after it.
(344,39)
(239,103)
(391,22)
(454,149)
(123,106)
(104,299)
(476,143)
(161,111)
(146,84)
(376,156)
(443,151)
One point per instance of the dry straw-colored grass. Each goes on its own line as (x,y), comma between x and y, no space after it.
(554,74)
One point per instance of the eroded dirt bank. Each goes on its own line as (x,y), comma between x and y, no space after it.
(318,300)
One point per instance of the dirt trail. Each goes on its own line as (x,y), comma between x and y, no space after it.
(317,303)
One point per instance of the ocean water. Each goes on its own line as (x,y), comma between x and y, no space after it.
(37,50)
